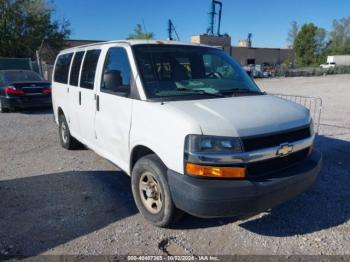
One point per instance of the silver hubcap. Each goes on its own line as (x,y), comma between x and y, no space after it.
(64,132)
(150,193)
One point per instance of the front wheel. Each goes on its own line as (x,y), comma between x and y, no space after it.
(151,191)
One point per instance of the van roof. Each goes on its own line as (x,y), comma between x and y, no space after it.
(137,42)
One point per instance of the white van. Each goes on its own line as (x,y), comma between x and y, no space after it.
(188,125)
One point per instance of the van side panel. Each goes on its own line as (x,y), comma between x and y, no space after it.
(87,103)
(73,96)
(59,83)
(163,130)
(54,96)
(113,117)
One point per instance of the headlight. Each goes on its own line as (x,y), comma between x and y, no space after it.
(201,145)
(212,144)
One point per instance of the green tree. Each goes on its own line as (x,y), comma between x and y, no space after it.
(292,34)
(321,40)
(340,37)
(322,43)
(25,23)
(139,34)
(309,45)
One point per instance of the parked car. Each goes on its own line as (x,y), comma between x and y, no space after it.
(189,126)
(266,74)
(257,71)
(248,69)
(23,89)
(327,65)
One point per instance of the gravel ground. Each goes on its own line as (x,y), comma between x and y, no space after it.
(54,201)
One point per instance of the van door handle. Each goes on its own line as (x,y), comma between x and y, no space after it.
(79,97)
(97,102)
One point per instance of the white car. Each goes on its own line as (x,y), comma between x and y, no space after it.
(327,65)
(188,125)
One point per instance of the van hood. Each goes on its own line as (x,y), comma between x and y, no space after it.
(243,116)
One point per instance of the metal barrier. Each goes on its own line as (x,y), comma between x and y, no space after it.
(314,104)
(47,71)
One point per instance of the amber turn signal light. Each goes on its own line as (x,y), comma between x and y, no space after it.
(216,172)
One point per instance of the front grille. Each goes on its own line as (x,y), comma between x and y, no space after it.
(272,140)
(265,167)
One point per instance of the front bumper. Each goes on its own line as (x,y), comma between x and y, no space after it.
(26,102)
(221,198)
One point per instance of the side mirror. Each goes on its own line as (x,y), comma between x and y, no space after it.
(113,82)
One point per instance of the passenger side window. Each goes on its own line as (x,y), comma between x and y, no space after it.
(87,78)
(74,72)
(62,68)
(116,71)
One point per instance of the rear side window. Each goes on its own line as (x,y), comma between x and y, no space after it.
(74,72)
(89,69)
(62,68)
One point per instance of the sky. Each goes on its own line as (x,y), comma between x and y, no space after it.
(268,21)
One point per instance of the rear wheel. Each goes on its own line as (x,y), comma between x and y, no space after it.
(2,108)
(151,191)
(66,139)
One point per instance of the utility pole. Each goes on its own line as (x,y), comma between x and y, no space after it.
(212,15)
(171,29)
(38,62)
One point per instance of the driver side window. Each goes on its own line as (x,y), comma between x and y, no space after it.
(216,65)
(116,71)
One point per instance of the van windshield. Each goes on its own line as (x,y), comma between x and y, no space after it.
(177,71)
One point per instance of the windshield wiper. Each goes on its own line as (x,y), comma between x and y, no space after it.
(244,90)
(201,92)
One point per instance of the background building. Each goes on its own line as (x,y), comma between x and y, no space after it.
(244,53)
(48,51)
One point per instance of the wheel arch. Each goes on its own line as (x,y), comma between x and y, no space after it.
(60,111)
(138,152)
(57,113)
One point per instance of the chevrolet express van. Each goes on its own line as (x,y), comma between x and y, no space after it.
(189,126)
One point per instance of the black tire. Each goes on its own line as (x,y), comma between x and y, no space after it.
(153,166)
(2,108)
(66,139)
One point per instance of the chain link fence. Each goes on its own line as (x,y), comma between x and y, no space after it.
(7,63)
(47,71)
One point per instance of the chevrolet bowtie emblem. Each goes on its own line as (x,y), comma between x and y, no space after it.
(285,149)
